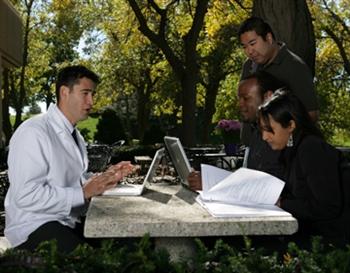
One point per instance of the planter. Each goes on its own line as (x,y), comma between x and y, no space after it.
(231,148)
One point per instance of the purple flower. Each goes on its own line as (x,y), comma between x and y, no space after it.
(230,130)
(229,125)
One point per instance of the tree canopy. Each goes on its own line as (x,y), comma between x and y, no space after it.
(175,63)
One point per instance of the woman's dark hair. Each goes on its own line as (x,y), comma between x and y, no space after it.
(256,24)
(71,75)
(284,107)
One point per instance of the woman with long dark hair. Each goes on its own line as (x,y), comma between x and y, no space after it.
(313,191)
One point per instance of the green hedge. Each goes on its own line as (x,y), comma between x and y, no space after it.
(143,258)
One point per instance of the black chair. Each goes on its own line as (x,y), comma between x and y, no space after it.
(100,155)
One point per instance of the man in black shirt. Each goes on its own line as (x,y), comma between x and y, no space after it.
(253,90)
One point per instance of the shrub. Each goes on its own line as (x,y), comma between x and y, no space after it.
(85,132)
(142,257)
(109,128)
(153,135)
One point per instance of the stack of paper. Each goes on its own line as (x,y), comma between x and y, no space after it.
(242,193)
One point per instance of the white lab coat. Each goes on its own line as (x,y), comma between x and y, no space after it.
(46,173)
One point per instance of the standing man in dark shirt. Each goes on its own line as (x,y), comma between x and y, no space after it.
(265,53)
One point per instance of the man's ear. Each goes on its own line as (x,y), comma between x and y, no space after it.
(268,95)
(64,90)
(269,38)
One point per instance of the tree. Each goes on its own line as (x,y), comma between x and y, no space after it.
(332,21)
(332,74)
(51,31)
(291,22)
(128,65)
(7,127)
(59,35)
(220,57)
(26,8)
(184,61)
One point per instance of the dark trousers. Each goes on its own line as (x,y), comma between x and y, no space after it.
(67,238)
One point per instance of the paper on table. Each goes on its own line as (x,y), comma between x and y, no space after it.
(218,209)
(211,176)
(244,186)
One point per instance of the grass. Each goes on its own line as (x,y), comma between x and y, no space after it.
(90,125)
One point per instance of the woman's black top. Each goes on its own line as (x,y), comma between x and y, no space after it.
(312,193)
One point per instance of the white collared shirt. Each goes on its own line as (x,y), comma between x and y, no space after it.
(46,171)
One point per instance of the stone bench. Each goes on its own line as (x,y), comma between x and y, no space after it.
(4,244)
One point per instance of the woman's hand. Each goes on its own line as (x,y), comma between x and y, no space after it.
(195,180)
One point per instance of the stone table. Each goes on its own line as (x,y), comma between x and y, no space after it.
(170,214)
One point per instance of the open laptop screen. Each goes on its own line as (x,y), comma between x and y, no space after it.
(178,157)
(154,165)
(137,189)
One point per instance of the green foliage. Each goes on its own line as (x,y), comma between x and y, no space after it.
(88,128)
(137,77)
(109,128)
(227,100)
(113,256)
(332,76)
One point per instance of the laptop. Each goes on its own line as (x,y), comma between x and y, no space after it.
(179,158)
(137,189)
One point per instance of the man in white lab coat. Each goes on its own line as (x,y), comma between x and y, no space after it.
(49,184)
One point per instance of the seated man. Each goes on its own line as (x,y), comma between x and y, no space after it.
(49,185)
(252,92)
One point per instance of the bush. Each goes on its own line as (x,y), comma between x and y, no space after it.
(153,135)
(109,128)
(128,153)
(142,257)
(85,132)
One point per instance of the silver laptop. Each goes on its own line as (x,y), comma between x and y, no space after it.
(178,157)
(137,189)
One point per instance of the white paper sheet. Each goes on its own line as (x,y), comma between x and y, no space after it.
(244,186)
(212,175)
(217,209)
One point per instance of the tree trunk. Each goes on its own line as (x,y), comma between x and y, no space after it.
(22,90)
(143,110)
(7,128)
(291,23)
(210,98)
(189,92)
(186,69)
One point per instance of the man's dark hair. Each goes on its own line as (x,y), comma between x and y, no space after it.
(71,75)
(256,24)
(266,82)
